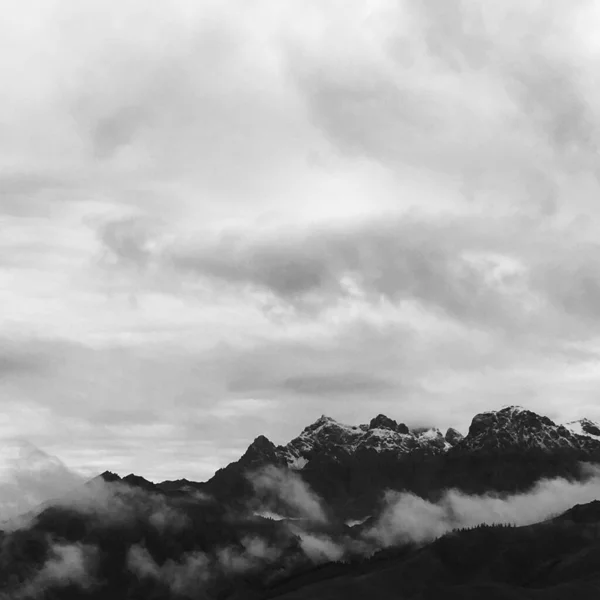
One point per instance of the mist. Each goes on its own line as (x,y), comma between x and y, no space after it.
(68,565)
(291,491)
(30,477)
(409,518)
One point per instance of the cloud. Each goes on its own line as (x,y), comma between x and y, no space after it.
(401,259)
(128,240)
(505,277)
(289,489)
(194,571)
(255,553)
(343,383)
(207,210)
(320,548)
(186,577)
(117,503)
(68,565)
(410,59)
(18,359)
(30,477)
(409,518)
(569,281)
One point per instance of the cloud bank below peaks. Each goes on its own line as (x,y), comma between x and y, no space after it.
(409,518)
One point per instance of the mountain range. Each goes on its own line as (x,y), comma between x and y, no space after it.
(349,466)
(341,511)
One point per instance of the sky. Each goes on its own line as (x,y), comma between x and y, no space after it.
(221,219)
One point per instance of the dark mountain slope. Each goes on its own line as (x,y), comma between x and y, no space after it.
(350,467)
(552,560)
(208,533)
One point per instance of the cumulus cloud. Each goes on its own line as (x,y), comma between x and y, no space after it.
(409,518)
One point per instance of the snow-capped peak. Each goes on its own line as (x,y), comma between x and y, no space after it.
(427,433)
(513,410)
(327,437)
(584,427)
(517,427)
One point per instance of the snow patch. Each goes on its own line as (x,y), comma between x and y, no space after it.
(297,463)
(430,434)
(577,428)
(355,522)
(269,515)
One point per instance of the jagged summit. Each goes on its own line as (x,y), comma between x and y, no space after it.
(513,408)
(323,421)
(514,427)
(383,422)
(262,442)
(511,428)
(585,427)
(453,436)
(261,450)
(138,481)
(109,476)
(326,437)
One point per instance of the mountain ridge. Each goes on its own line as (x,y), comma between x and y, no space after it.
(509,428)
(326,498)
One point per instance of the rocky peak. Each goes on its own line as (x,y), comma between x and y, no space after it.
(138,481)
(383,422)
(324,436)
(109,476)
(453,436)
(589,427)
(262,443)
(514,427)
(322,421)
(510,417)
(261,450)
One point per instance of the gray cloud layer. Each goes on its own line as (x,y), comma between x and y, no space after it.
(258,213)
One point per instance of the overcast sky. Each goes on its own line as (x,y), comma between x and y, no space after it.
(224,219)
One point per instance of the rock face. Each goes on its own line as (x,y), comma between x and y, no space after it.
(262,450)
(510,429)
(453,436)
(585,427)
(351,466)
(590,428)
(513,428)
(109,476)
(139,482)
(327,437)
(383,422)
